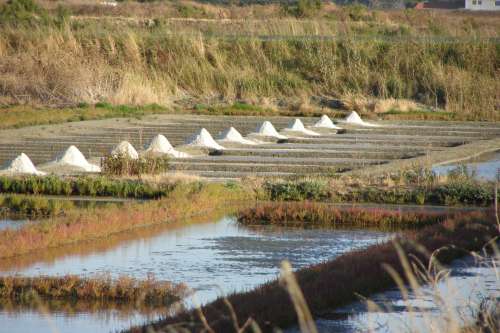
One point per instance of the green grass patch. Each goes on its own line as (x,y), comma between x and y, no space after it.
(84,186)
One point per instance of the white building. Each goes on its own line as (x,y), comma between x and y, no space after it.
(482,4)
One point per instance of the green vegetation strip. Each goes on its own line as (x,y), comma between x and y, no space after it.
(309,214)
(460,192)
(84,186)
(337,282)
(70,287)
(185,201)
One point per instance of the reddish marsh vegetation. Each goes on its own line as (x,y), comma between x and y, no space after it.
(338,282)
(70,287)
(316,214)
(185,201)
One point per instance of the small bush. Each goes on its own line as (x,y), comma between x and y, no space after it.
(120,165)
(297,190)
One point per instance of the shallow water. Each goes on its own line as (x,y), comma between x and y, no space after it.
(212,258)
(452,300)
(484,167)
(11,223)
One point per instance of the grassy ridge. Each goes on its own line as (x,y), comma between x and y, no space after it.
(80,225)
(70,287)
(338,281)
(93,61)
(308,214)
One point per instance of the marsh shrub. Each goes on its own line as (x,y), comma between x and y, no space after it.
(467,192)
(297,190)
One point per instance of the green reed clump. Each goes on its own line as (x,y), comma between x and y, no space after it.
(86,186)
(71,287)
(307,214)
(313,189)
(123,166)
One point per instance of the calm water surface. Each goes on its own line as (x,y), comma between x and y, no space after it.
(455,299)
(212,258)
(11,223)
(484,167)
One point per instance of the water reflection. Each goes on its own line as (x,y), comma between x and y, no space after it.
(453,300)
(209,257)
(12,223)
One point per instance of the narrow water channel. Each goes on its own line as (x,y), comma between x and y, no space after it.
(211,258)
(432,308)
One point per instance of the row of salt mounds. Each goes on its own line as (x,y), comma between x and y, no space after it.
(21,165)
(267,129)
(232,135)
(298,126)
(73,158)
(161,146)
(354,119)
(326,122)
(203,139)
(125,149)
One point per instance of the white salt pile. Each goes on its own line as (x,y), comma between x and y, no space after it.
(203,139)
(267,129)
(21,165)
(326,122)
(125,149)
(232,135)
(298,126)
(354,119)
(73,157)
(161,146)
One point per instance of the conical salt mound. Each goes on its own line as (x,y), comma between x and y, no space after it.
(125,149)
(21,165)
(160,145)
(203,139)
(326,122)
(232,135)
(298,126)
(267,129)
(355,119)
(74,157)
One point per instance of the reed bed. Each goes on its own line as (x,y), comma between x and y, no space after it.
(310,214)
(91,61)
(184,201)
(70,287)
(340,281)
